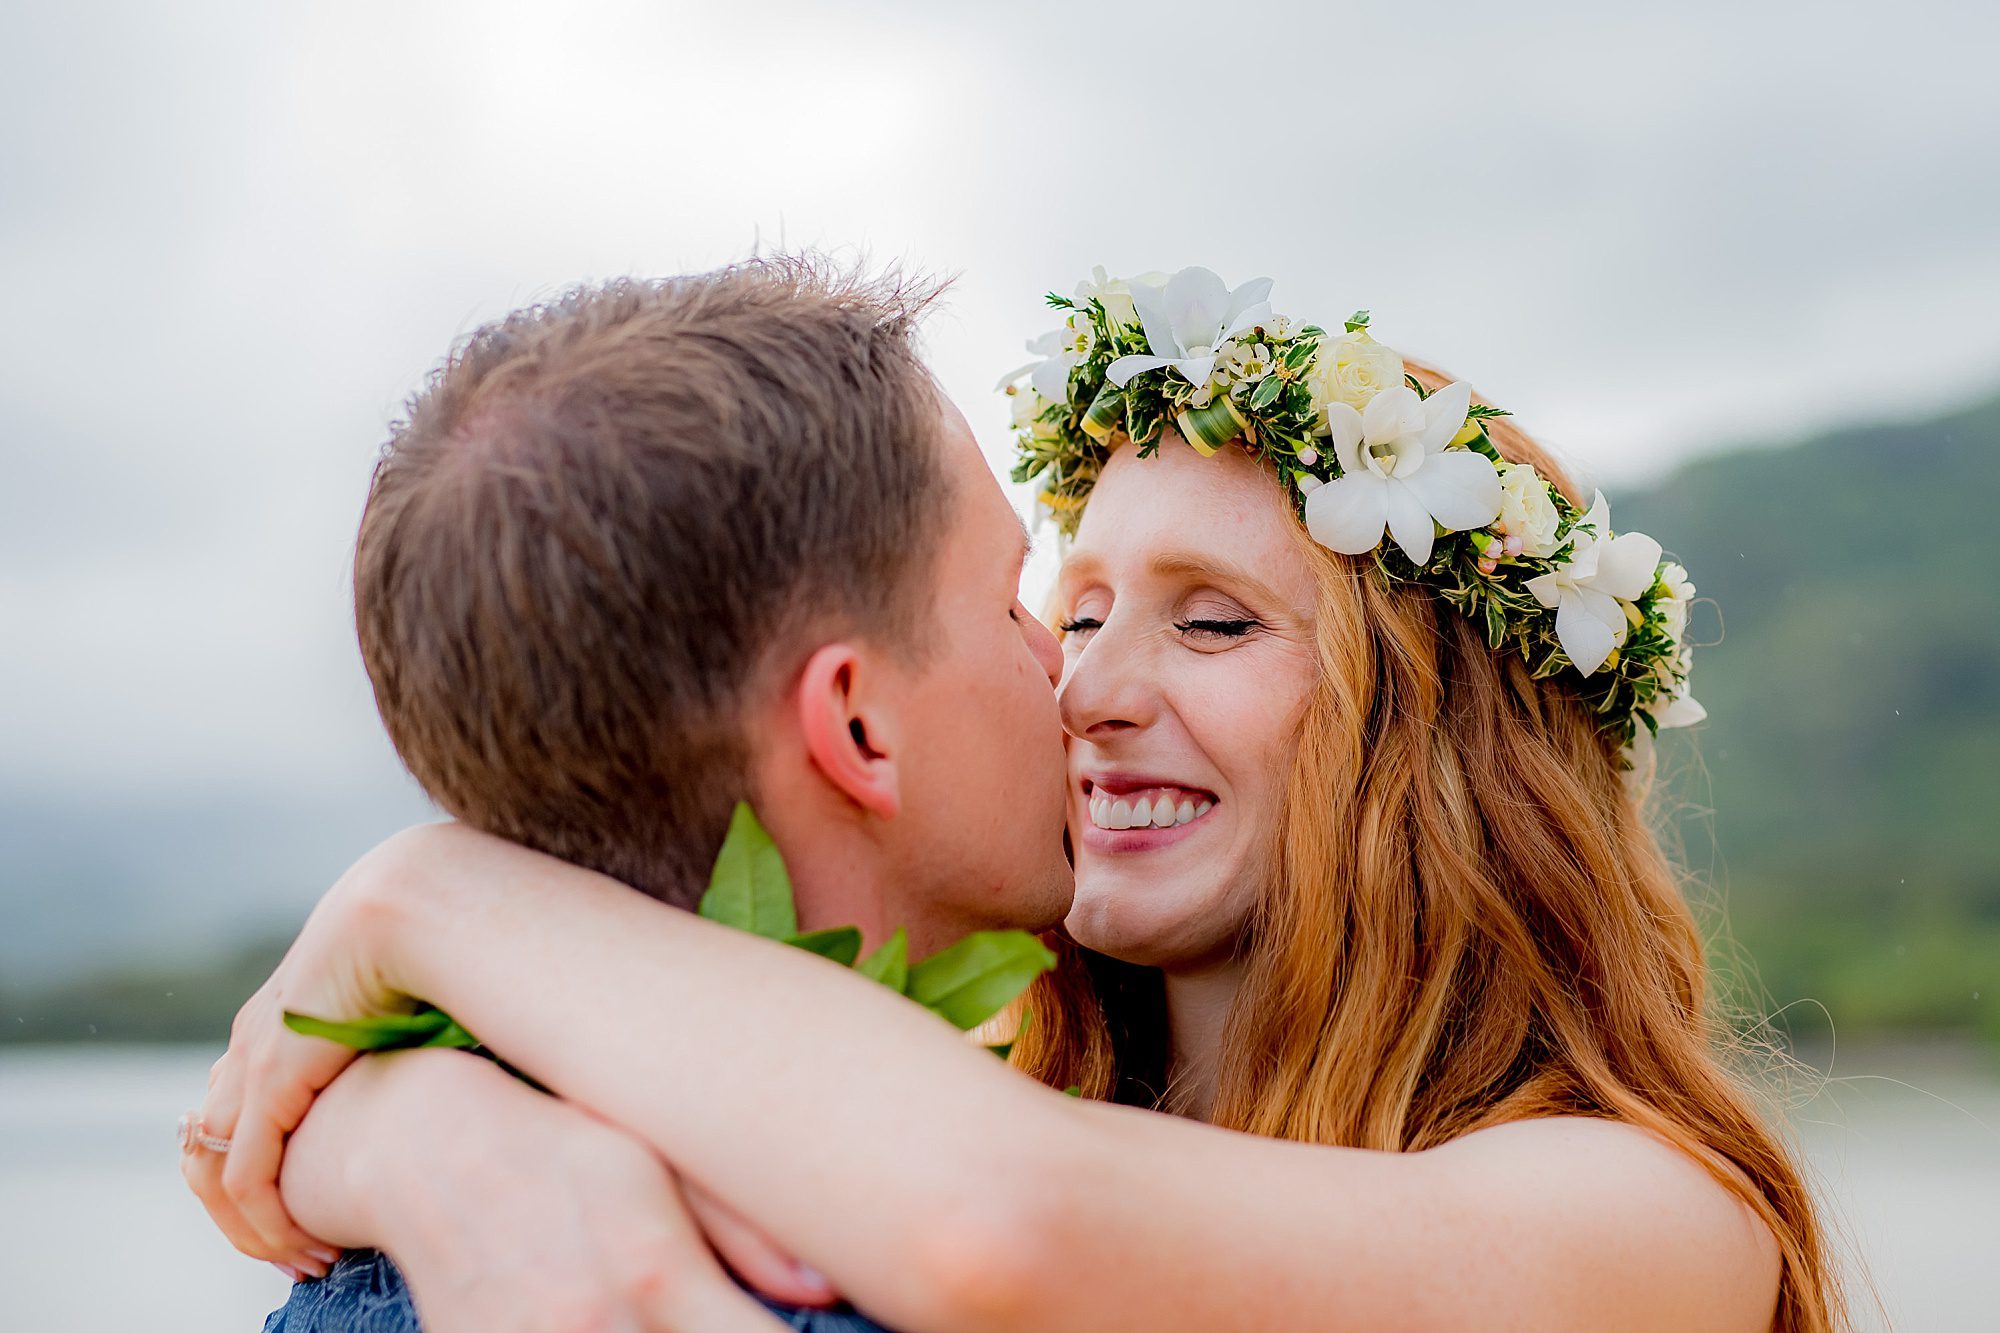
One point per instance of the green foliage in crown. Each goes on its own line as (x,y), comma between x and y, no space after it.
(1374,463)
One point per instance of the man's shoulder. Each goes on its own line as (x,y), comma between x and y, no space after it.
(366,1293)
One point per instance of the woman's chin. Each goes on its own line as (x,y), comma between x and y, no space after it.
(1140,928)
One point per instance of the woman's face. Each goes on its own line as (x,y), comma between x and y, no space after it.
(1188,662)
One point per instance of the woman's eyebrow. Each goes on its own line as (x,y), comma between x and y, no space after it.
(1189,564)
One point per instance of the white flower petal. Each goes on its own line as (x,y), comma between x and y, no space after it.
(1197,301)
(1014,375)
(1252,294)
(1247,320)
(1460,488)
(1547,588)
(1151,303)
(1605,608)
(1051,378)
(1582,566)
(1627,565)
(1197,370)
(1585,638)
(1347,514)
(1683,711)
(1391,413)
(1121,371)
(1598,518)
(1405,456)
(1444,414)
(1410,522)
(1049,343)
(1343,423)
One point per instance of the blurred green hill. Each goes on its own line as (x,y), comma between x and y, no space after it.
(1851,759)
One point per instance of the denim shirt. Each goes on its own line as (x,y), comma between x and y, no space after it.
(366,1294)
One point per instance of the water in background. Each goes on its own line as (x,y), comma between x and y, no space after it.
(97,1234)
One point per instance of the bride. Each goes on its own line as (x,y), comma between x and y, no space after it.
(1358,692)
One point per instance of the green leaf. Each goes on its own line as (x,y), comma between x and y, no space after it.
(1357,321)
(1006,1048)
(1268,389)
(840,943)
(1496,624)
(976,977)
(890,964)
(1073,1090)
(749,888)
(386,1032)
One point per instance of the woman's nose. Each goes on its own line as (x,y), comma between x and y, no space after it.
(1108,687)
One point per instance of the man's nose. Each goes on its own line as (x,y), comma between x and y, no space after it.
(1042,643)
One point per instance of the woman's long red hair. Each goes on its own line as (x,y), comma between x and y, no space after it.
(1471,923)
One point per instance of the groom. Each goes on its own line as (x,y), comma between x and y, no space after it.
(654,547)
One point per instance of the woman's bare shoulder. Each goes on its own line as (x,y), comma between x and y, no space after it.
(1617,1214)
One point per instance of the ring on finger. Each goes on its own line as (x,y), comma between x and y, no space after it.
(194,1135)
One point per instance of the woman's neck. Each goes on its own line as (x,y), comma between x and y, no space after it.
(1198,1007)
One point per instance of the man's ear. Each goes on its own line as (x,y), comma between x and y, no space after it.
(843,714)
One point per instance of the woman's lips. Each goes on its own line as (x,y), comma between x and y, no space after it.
(1132,814)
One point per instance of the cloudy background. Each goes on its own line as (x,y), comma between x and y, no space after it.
(233,237)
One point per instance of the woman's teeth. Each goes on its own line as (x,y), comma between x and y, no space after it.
(1161,808)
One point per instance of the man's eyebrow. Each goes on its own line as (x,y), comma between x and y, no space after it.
(1027,541)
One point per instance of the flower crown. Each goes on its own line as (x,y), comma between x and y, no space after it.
(1363,450)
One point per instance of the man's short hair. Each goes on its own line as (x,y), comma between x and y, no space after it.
(603,516)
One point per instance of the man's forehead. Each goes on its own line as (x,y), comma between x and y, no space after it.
(982,503)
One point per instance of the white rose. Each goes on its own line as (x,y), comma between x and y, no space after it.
(1352,369)
(1526,512)
(1674,606)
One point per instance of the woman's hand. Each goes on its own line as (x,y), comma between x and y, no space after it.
(262,1087)
(505,1208)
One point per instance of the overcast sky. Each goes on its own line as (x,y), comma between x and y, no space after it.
(232,238)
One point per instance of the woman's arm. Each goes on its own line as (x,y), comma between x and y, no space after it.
(503,1207)
(943,1191)
(398,1155)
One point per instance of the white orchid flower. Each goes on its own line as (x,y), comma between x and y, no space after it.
(1679,708)
(1060,351)
(1683,710)
(1397,471)
(1590,591)
(1189,320)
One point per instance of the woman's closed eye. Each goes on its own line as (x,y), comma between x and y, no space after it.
(1215,631)
(1201,629)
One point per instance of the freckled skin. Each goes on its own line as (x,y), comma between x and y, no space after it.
(1146,691)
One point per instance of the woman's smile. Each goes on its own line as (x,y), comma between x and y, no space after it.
(1139,813)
